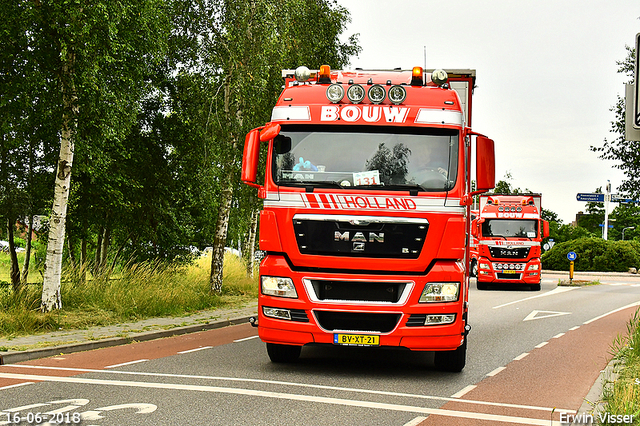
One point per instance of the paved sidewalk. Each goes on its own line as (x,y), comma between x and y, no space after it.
(24,348)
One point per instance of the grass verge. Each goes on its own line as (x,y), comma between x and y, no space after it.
(621,395)
(141,291)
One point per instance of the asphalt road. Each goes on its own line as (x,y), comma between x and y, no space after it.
(528,353)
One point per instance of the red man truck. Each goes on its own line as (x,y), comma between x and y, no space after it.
(365,220)
(509,230)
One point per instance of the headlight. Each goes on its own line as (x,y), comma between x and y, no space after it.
(440,292)
(278,286)
(533,267)
(484,265)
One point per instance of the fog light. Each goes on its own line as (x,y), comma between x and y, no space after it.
(397,94)
(276,313)
(356,93)
(440,319)
(376,94)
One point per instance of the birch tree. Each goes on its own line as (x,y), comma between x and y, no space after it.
(99,54)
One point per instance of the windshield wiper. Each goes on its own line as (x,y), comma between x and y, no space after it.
(312,183)
(398,187)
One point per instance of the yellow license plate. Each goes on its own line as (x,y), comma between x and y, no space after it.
(510,272)
(356,339)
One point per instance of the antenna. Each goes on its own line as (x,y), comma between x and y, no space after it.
(425,58)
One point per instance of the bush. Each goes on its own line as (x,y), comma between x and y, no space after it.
(594,254)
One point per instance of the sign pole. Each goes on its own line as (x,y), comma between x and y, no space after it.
(571,272)
(607,198)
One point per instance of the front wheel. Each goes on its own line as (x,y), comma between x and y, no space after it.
(453,361)
(474,268)
(535,287)
(283,353)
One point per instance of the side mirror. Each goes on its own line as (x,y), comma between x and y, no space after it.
(485,164)
(474,228)
(270,131)
(545,229)
(250,157)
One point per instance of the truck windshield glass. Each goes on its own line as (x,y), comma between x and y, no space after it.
(366,157)
(509,228)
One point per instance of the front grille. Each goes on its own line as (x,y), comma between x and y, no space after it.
(503,276)
(509,253)
(358,291)
(356,321)
(298,315)
(360,236)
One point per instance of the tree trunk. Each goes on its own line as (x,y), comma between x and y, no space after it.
(51,298)
(27,253)
(106,240)
(222,224)
(14,271)
(98,257)
(83,260)
(251,243)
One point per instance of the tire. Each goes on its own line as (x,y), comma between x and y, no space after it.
(535,287)
(283,353)
(452,361)
(473,268)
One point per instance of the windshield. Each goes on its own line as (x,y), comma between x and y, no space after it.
(366,157)
(510,228)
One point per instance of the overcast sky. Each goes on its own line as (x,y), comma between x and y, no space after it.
(546,77)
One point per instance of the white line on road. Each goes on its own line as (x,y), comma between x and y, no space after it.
(519,357)
(612,312)
(16,385)
(462,392)
(496,371)
(285,396)
(245,339)
(416,421)
(126,363)
(195,350)
(558,336)
(574,328)
(293,384)
(553,292)
(541,345)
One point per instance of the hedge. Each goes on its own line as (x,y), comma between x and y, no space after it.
(594,254)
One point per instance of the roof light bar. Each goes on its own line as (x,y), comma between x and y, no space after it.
(397,94)
(377,94)
(356,93)
(335,93)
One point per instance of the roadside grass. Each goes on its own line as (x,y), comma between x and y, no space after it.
(137,292)
(621,395)
(577,283)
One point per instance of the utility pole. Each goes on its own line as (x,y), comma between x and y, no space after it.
(607,199)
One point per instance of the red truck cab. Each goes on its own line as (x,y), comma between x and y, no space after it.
(365,223)
(509,230)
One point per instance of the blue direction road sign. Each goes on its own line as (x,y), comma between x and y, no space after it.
(572,256)
(590,198)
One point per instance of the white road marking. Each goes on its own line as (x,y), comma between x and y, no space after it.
(195,350)
(416,421)
(246,338)
(16,385)
(612,312)
(541,345)
(285,396)
(558,336)
(127,363)
(496,371)
(293,384)
(534,315)
(462,392)
(553,292)
(519,357)
(574,328)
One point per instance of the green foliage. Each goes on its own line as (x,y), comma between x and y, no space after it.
(144,290)
(622,395)
(594,254)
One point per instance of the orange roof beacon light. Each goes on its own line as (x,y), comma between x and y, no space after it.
(416,76)
(324,76)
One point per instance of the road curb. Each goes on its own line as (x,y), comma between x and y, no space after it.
(13,357)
